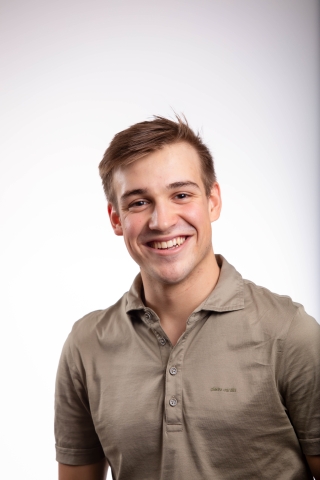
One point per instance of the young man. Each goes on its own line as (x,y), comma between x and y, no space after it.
(194,373)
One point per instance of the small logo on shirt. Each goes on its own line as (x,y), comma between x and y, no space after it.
(218,389)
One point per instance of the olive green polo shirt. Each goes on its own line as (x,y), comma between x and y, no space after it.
(236,398)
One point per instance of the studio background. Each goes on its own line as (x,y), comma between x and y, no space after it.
(246,75)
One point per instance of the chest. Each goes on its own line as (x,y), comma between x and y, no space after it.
(214,380)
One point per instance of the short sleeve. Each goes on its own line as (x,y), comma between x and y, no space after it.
(76,440)
(299,380)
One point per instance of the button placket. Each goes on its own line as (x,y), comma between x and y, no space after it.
(173,396)
(174,376)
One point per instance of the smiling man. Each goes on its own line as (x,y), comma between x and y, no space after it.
(195,373)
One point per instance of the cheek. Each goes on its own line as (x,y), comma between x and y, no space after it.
(197,216)
(132,227)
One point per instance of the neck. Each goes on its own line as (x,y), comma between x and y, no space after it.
(174,303)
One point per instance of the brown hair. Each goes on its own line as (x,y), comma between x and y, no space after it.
(146,137)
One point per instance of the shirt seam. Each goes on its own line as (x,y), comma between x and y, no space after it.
(309,440)
(76,370)
(78,451)
(282,352)
(288,330)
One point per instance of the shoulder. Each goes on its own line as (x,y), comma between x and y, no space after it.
(98,325)
(268,300)
(277,313)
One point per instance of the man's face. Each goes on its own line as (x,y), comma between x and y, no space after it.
(164,213)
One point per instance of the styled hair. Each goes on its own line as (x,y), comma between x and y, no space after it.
(144,138)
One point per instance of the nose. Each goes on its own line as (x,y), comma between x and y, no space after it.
(163,217)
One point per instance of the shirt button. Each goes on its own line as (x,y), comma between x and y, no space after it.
(147,315)
(173,370)
(162,341)
(173,401)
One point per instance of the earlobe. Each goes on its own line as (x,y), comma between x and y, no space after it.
(115,220)
(215,202)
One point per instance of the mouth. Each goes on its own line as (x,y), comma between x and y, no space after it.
(169,244)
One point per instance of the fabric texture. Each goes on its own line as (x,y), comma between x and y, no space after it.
(237,397)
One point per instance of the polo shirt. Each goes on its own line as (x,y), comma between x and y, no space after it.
(237,397)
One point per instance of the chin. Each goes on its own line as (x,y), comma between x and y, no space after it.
(171,278)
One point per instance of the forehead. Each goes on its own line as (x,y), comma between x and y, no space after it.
(173,163)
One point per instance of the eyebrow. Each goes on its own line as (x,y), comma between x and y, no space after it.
(131,193)
(144,191)
(187,183)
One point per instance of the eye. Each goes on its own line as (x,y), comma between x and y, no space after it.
(137,204)
(182,196)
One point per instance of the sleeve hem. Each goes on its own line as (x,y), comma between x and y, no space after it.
(310,447)
(79,456)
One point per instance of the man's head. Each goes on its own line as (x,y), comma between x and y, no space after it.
(163,198)
(147,137)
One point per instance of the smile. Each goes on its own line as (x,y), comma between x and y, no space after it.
(174,243)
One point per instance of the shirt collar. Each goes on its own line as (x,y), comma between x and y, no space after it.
(225,297)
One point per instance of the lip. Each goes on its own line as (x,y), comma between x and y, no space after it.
(166,239)
(165,251)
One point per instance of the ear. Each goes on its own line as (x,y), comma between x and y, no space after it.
(215,202)
(115,220)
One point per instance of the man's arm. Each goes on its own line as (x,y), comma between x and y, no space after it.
(96,471)
(314,464)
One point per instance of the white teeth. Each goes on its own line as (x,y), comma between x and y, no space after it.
(175,242)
